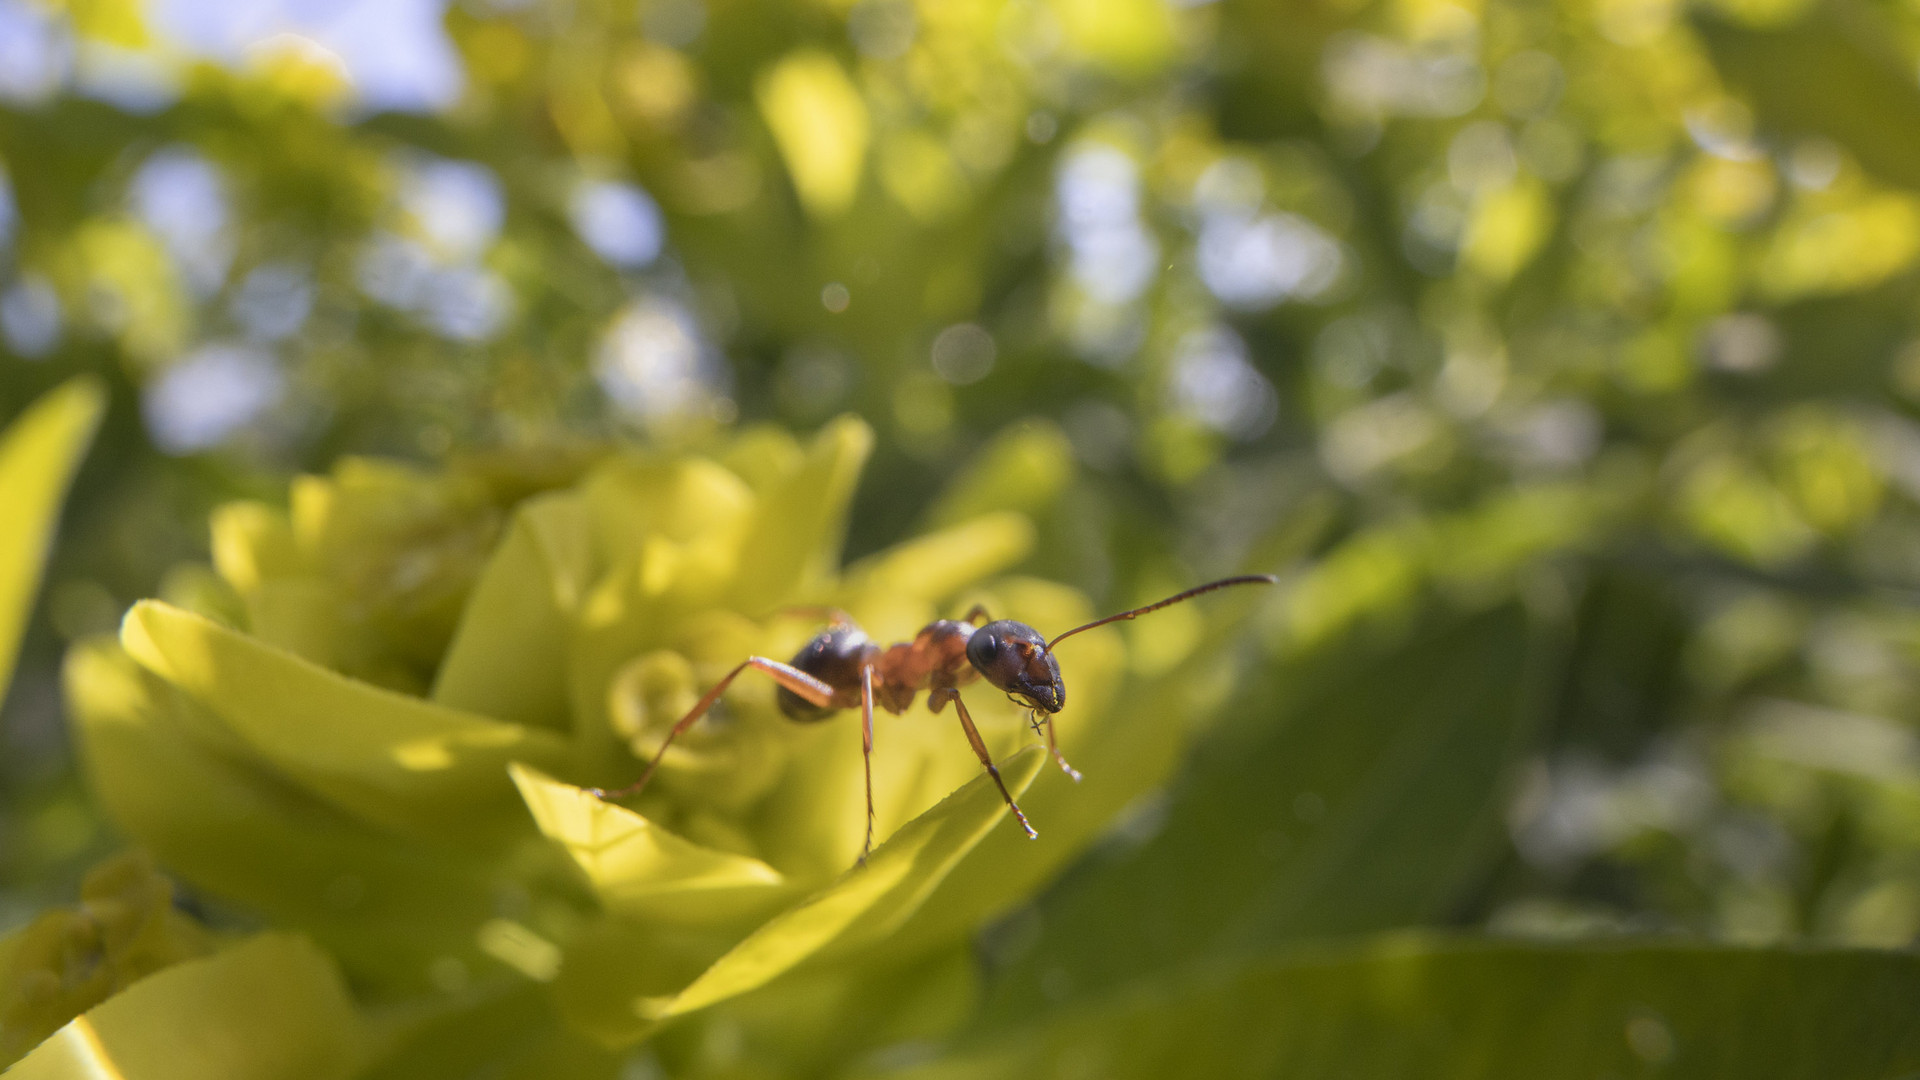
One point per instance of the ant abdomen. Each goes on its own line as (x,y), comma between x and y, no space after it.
(834,656)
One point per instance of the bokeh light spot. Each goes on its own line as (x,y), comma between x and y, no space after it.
(964,353)
(205,397)
(620,222)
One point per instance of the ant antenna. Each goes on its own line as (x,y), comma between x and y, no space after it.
(1244,579)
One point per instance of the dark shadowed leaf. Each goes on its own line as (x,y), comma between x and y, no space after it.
(1361,792)
(1419,1008)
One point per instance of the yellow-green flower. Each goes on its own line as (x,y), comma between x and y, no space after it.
(372,721)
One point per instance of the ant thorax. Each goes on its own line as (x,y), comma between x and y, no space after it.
(936,657)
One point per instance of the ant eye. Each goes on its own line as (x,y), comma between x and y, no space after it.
(983,649)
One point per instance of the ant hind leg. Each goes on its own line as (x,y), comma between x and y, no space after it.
(786,675)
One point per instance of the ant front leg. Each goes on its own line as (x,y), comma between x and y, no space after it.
(1042,725)
(1054,749)
(938,697)
(866,750)
(976,613)
(786,675)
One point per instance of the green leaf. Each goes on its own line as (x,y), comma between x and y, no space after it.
(509,656)
(394,760)
(1416,1008)
(640,870)
(1830,74)
(272,1008)
(866,905)
(38,455)
(1367,796)
(175,778)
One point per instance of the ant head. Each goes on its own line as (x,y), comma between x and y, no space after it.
(1014,657)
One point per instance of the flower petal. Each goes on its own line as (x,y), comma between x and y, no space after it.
(393,760)
(178,781)
(38,455)
(509,655)
(864,906)
(401,547)
(642,871)
(935,566)
(253,543)
(686,500)
(793,541)
(271,1008)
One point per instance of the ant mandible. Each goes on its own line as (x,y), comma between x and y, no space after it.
(842,668)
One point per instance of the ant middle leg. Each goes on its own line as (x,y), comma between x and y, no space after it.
(939,696)
(801,683)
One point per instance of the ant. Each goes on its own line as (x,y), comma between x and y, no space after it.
(841,668)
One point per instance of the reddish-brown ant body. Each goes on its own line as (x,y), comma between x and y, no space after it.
(841,668)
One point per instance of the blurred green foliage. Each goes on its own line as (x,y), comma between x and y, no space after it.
(1563,358)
